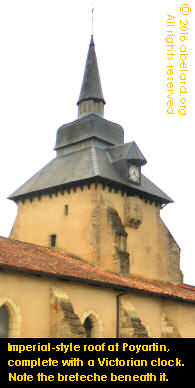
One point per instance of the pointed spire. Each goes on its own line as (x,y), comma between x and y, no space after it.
(91,98)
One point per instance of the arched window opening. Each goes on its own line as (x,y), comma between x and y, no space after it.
(92,324)
(88,327)
(4,322)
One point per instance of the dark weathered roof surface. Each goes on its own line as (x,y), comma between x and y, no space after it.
(83,165)
(91,125)
(91,85)
(129,151)
(91,148)
(35,259)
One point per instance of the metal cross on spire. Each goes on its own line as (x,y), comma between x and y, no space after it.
(92,18)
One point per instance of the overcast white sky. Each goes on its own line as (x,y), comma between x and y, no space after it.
(43,48)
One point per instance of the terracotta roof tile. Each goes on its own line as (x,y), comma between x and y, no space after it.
(21,256)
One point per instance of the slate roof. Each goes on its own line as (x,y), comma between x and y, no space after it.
(38,260)
(91,86)
(129,151)
(83,166)
(91,125)
(93,149)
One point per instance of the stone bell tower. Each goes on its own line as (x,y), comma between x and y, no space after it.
(92,200)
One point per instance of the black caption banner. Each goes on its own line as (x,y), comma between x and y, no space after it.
(95,361)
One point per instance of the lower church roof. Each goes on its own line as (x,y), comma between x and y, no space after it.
(38,260)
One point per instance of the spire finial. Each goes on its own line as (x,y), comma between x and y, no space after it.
(91,98)
(92,18)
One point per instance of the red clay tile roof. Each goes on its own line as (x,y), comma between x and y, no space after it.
(21,256)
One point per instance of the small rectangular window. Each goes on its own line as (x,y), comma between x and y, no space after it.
(53,240)
(66,210)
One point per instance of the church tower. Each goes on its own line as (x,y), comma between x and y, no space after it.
(92,200)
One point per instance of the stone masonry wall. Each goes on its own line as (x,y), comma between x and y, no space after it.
(107,235)
(172,258)
(130,323)
(64,322)
(168,329)
(120,255)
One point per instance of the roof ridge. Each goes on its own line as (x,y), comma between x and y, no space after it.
(94,160)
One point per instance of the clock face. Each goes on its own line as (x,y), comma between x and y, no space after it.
(134,173)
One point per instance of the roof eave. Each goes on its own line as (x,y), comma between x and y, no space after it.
(97,179)
(96,283)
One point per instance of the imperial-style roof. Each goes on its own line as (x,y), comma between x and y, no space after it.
(84,166)
(87,127)
(91,149)
(37,260)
